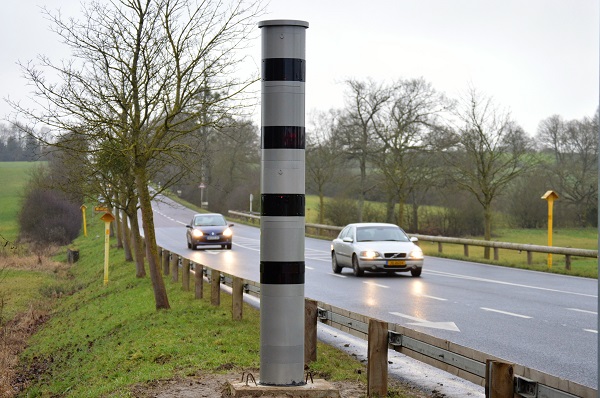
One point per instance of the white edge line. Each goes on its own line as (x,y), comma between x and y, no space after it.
(590,330)
(584,311)
(376,284)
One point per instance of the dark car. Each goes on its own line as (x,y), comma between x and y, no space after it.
(209,229)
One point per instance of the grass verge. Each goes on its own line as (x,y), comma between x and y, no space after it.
(101,340)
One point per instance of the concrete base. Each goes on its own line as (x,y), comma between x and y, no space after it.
(317,389)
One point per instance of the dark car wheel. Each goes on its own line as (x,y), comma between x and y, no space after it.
(334,264)
(189,244)
(416,271)
(229,246)
(355,268)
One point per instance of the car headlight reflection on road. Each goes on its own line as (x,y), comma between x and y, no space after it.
(196,233)
(227,233)
(369,254)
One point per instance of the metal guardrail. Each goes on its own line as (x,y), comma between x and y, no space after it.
(458,360)
(568,252)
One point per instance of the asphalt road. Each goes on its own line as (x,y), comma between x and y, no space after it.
(544,321)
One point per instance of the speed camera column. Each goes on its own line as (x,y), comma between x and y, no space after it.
(282,203)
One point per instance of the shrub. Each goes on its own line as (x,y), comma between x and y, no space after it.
(47,216)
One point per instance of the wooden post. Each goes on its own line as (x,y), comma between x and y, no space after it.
(165,258)
(439,247)
(174,267)
(377,365)
(310,333)
(215,287)
(237,298)
(568,261)
(529,258)
(499,381)
(185,275)
(466,250)
(198,280)
(496,255)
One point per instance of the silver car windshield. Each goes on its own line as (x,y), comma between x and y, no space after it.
(209,220)
(370,234)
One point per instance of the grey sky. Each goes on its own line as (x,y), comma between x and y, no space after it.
(535,57)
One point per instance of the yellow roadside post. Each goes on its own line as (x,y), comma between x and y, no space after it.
(107,218)
(83,208)
(550,197)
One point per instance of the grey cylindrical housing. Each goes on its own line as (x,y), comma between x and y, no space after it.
(283,77)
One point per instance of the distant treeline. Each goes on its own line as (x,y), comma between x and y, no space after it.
(17,146)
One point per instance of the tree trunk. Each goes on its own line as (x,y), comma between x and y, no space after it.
(118,228)
(415,218)
(389,209)
(321,208)
(158,283)
(487,234)
(126,236)
(136,240)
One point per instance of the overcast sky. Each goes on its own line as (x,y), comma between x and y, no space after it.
(536,58)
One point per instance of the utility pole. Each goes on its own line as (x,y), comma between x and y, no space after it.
(282,202)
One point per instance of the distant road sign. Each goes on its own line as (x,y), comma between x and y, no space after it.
(101,208)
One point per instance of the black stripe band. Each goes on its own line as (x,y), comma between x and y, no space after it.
(284,69)
(282,273)
(283,137)
(282,205)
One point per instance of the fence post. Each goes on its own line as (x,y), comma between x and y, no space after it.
(198,280)
(568,261)
(498,379)
(466,250)
(310,333)
(439,247)
(174,267)
(215,287)
(237,298)
(529,258)
(377,363)
(185,276)
(165,258)
(496,255)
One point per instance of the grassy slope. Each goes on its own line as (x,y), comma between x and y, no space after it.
(102,339)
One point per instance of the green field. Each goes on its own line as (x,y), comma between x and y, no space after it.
(13,177)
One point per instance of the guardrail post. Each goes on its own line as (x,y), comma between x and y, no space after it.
(185,275)
(499,381)
(237,298)
(165,257)
(439,247)
(174,267)
(466,250)
(198,280)
(377,365)
(568,262)
(496,255)
(310,330)
(215,287)
(529,258)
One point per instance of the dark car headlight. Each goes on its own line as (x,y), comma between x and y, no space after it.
(196,233)
(228,233)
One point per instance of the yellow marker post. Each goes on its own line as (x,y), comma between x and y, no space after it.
(83,209)
(550,196)
(107,218)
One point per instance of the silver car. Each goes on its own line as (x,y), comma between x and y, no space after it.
(375,247)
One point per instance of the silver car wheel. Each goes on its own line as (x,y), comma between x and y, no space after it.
(356,268)
(334,264)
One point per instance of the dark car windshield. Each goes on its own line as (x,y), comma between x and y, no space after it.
(369,234)
(205,221)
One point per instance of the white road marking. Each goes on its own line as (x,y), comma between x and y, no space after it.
(584,311)
(377,284)
(505,313)
(338,275)
(433,297)
(451,326)
(590,330)
(450,275)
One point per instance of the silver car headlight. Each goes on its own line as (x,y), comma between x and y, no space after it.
(370,255)
(196,233)
(416,254)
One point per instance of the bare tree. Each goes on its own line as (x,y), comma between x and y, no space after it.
(324,156)
(140,73)
(574,170)
(365,101)
(489,150)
